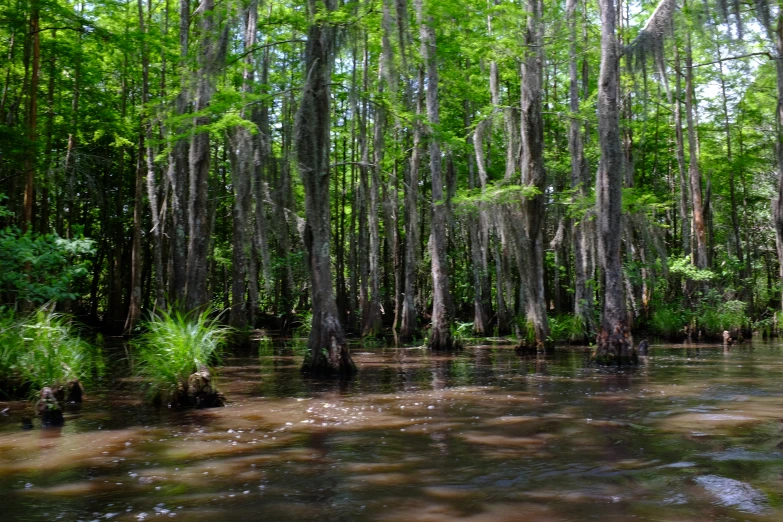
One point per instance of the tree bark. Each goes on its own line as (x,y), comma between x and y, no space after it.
(134,308)
(177,174)
(440,333)
(32,117)
(242,169)
(613,342)
(373,323)
(685,222)
(531,268)
(777,205)
(211,50)
(580,180)
(699,226)
(328,352)
(409,328)
(152,188)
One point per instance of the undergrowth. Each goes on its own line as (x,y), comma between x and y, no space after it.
(174,346)
(44,348)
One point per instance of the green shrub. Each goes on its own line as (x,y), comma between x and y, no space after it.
(461,331)
(567,328)
(45,349)
(729,315)
(668,321)
(305,324)
(41,267)
(173,346)
(10,346)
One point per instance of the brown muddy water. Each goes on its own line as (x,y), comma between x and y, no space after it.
(483,435)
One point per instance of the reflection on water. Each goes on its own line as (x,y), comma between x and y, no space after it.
(484,435)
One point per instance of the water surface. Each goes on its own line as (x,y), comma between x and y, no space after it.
(483,435)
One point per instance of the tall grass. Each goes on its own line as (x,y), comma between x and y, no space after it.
(567,328)
(668,321)
(44,348)
(10,347)
(175,345)
(728,315)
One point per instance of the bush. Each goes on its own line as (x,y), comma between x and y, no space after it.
(567,328)
(39,268)
(668,321)
(174,346)
(730,315)
(45,349)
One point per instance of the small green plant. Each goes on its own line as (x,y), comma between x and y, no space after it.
(305,324)
(174,346)
(461,331)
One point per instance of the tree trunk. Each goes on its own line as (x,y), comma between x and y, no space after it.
(242,163)
(32,117)
(373,322)
(134,309)
(152,188)
(211,50)
(777,206)
(699,225)
(482,310)
(177,174)
(580,179)
(613,342)
(440,334)
(409,328)
(685,222)
(363,244)
(328,352)
(531,268)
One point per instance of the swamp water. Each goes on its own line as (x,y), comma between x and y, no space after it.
(483,435)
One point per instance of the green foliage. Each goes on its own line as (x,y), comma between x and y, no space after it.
(175,345)
(684,267)
(567,328)
(305,321)
(498,193)
(10,344)
(461,331)
(715,318)
(45,349)
(41,267)
(668,320)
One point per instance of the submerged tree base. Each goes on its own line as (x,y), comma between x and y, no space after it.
(615,348)
(49,409)
(197,393)
(442,341)
(328,355)
(336,361)
(525,347)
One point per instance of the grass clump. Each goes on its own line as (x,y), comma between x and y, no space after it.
(668,321)
(728,315)
(173,347)
(567,328)
(43,349)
